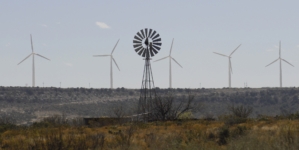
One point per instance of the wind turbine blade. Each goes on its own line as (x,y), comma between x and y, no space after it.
(230,66)
(279,49)
(161,58)
(272,62)
(115,63)
(287,62)
(176,62)
(114,47)
(235,50)
(100,55)
(171,47)
(31,42)
(220,54)
(42,56)
(25,59)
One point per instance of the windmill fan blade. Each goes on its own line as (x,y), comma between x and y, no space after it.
(176,62)
(42,56)
(155,51)
(161,58)
(220,54)
(150,33)
(25,59)
(31,42)
(138,48)
(137,45)
(142,32)
(171,47)
(114,46)
(139,35)
(152,53)
(287,62)
(145,32)
(137,42)
(272,62)
(156,47)
(137,38)
(157,40)
(153,34)
(141,51)
(115,63)
(157,44)
(100,55)
(235,50)
(230,66)
(151,39)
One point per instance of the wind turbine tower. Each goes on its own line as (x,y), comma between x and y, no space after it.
(111,59)
(230,69)
(170,58)
(33,66)
(280,68)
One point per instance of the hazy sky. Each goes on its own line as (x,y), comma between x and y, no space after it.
(70,32)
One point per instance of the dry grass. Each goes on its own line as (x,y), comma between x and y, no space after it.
(196,134)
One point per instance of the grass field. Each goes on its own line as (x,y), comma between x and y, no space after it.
(263,133)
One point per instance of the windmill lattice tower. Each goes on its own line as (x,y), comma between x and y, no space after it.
(147,43)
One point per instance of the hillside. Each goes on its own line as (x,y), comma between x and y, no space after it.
(27,104)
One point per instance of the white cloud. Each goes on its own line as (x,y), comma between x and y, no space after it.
(58,22)
(7,45)
(44,25)
(102,25)
(69,64)
(297,46)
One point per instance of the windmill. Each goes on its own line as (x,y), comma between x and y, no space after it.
(230,69)
(33,66)
(111,59)
(170,58)
(147,44)
(280,68)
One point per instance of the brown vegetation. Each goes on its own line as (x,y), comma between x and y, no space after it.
(261,133)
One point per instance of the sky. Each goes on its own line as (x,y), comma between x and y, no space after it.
(71,32)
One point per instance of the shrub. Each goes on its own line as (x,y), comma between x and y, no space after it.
(240,111)
(223,135)
(186,115)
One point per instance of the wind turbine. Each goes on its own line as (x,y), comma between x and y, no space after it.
(230,69)
(33,67)
(111,59)
(280,59)
(170,58)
